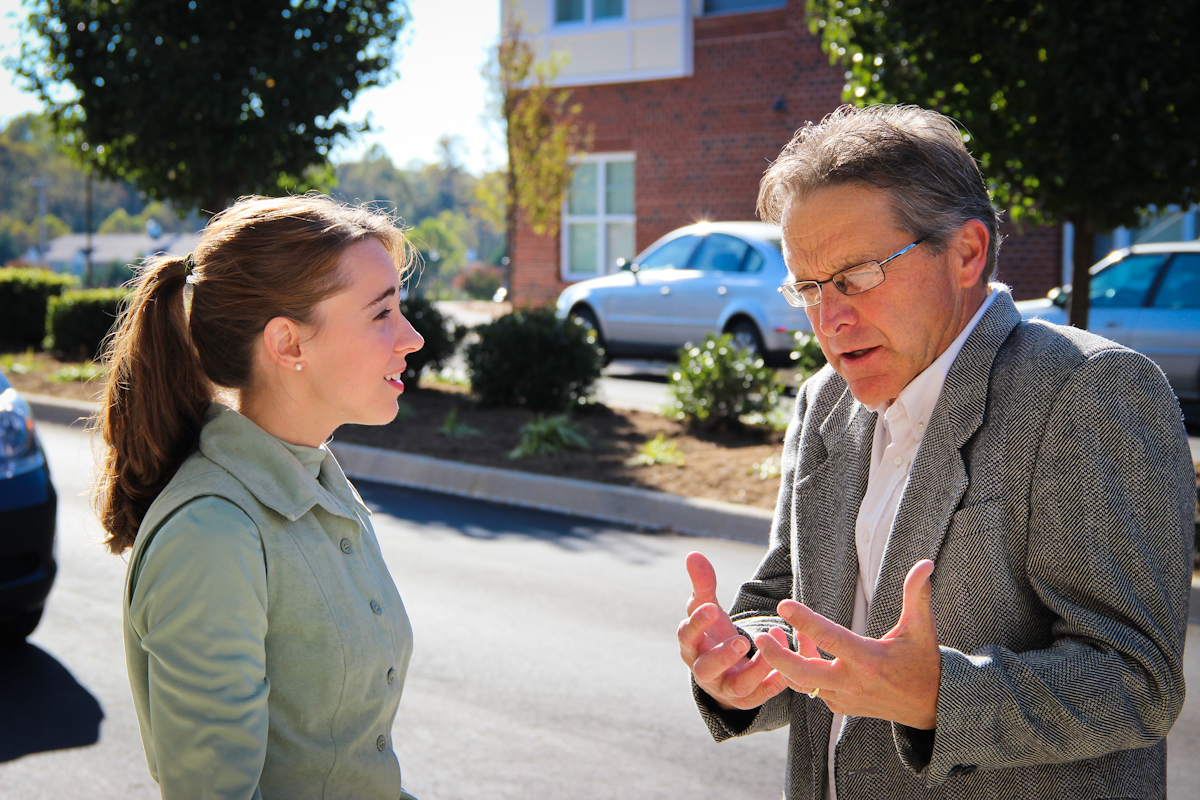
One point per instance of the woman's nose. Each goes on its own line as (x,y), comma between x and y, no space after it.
(407,338)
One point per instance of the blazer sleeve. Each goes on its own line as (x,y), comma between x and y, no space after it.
(754,610)
(1109,557)
(200,609)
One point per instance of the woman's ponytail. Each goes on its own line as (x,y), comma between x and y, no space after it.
(154,401)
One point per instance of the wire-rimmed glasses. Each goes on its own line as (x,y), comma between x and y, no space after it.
(849,281)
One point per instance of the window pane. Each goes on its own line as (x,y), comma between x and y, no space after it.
(620,244)
(618,187)
(568,10)
(1181,285)
(754,261)
(607,9)
(1125,283)
(720,253)
(724,6)
(582,199)
(672,255)
(581,247)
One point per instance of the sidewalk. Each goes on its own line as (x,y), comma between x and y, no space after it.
(640,508)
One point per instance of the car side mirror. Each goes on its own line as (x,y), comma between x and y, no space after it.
(1058,295)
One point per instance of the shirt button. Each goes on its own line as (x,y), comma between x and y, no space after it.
(378,609)
(391,676)
(898,461)
(346,548)
(381,743)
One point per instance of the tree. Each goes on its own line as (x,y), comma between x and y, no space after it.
(198,102)
(1079,110)
(541,133)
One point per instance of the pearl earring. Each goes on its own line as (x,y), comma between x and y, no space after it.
(299,367)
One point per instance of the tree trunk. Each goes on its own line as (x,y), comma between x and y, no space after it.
(1079,300)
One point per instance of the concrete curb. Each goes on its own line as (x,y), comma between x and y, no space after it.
(637,507)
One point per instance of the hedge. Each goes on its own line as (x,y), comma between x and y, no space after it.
(25,294)
(79,319)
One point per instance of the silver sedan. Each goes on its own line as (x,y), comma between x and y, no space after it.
(1146,297)
(712,277)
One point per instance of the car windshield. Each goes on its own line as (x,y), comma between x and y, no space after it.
(1126,283)
(672,255)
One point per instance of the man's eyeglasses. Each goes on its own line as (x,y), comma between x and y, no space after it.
(850,281)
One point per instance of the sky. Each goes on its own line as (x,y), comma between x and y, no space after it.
(439,90)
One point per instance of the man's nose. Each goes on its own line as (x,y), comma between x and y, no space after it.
(834,313)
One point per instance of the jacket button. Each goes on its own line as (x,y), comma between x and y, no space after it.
(391,676)
(378,609)
(346,548)
(381,743)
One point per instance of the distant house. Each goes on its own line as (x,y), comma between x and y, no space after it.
(688,100)
(69,253)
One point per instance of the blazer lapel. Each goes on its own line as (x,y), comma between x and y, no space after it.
(939,476)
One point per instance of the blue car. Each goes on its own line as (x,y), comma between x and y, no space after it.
(28,506)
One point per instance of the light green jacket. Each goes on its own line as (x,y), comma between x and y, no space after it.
(266,642)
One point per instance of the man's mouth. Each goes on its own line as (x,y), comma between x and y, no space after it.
(853,355)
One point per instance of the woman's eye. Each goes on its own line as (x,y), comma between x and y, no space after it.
(383,314)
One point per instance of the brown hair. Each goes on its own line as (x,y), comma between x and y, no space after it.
(915,154)
(259,259)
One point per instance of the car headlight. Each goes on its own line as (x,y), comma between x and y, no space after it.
(19,451)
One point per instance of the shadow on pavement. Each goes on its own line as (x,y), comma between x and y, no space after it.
(42,706)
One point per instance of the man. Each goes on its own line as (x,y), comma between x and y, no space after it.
(978,574)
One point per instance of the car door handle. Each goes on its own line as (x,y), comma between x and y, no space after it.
(721,290)
(665,290)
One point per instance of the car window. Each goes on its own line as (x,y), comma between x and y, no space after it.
(1180,287)
(720,253)
(672,255)
(1126,283)
(754,261)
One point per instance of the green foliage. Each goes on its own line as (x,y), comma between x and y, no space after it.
(452,428)
(78,373)
(479,281)
(549,435)
(441,336)
(119,221)
(531,358)
(808,357)
(766,469)
(657,451)
(200,102)
(79,319)
(25,295)
(715,384)
(14,364)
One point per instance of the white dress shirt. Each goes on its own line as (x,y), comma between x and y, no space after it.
(898,433)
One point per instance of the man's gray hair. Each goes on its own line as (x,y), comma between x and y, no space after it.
(915,154)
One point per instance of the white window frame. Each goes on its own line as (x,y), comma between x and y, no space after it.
(601,217)
(588,17)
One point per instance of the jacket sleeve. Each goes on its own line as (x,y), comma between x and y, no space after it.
(200,608)
(754,610)
(1109,557)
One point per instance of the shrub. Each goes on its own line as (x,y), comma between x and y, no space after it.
(715,384)
(532,358)
(479,281)
(78,321)
(808,356)
(657,451)
(441,337)
(24,297)
(549,435)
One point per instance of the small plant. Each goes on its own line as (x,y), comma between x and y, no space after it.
(78,373)
(657,451)
(715,384)
(766,469)
(777,419)
(549,435)
(534,359)
(808,356)
(17,365)
(441,337)
(453,429)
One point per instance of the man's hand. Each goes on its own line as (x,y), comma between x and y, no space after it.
(895,678)
(716,653)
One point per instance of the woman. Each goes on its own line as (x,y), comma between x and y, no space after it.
(265,639)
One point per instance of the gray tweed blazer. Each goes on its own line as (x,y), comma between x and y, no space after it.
(1054,491)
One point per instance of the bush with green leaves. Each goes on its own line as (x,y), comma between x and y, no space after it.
(441,336)
(716,383)
(78,321)
(24,297)
(532,358)
(808,356)
(549,435)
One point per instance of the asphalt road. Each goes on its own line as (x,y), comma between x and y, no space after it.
(545,662)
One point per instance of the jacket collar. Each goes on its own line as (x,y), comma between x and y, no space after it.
(275,477)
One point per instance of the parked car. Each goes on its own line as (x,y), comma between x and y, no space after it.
(28,505)
(712,277)
(1147,297)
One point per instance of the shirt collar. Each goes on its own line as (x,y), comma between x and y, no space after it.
(918,398)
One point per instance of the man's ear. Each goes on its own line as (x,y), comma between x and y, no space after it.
(281,340)
(970,248)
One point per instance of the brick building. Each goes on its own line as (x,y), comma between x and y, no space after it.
(688,101)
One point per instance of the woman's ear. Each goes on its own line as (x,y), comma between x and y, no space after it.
(281,339)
